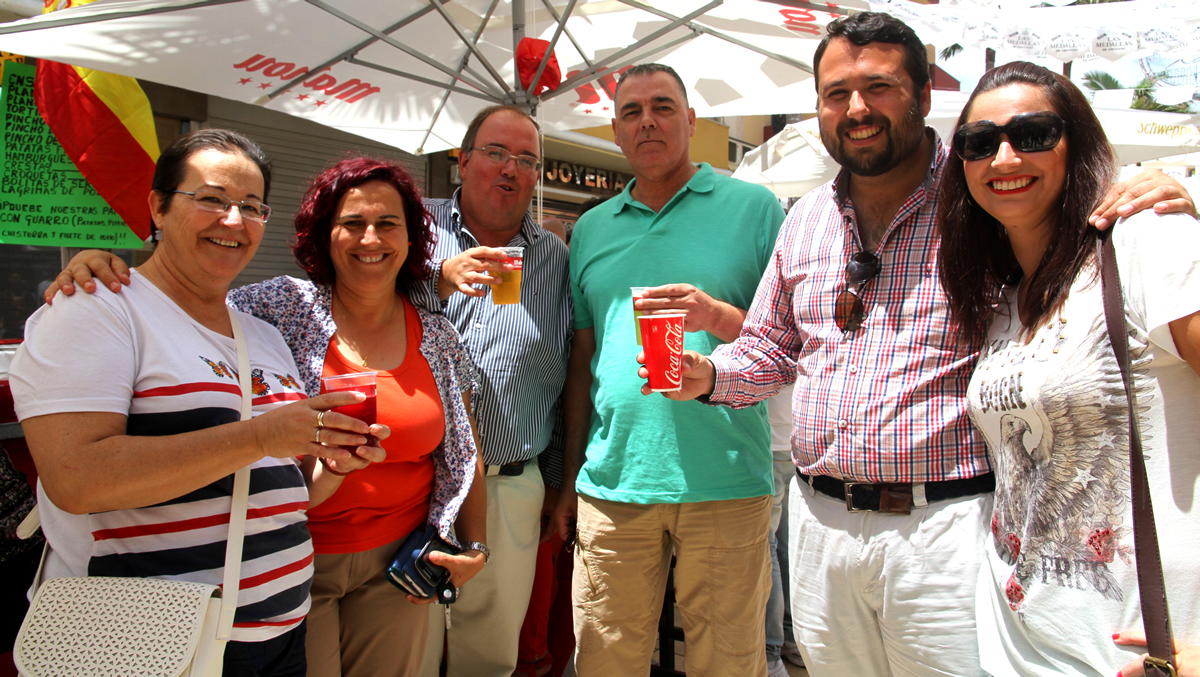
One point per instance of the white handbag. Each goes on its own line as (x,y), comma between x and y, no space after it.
(139,627)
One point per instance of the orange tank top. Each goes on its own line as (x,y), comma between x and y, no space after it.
(386,501)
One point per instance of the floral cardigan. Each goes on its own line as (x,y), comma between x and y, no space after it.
(301,311)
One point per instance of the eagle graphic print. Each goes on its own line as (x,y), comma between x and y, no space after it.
(1059,445)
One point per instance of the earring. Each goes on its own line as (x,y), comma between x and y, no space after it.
(410,243)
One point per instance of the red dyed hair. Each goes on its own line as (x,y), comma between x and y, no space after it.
(314,221)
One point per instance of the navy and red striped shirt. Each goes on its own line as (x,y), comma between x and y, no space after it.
(138,354)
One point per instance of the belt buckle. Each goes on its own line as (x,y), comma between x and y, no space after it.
(1151,663)
(848,487)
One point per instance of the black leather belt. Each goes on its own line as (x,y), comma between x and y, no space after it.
(507,470)
(896,497)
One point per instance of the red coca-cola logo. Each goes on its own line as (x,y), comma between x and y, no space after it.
(674,342)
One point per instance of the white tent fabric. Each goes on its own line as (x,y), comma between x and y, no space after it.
(412,73)
(795,161)
(1116,30)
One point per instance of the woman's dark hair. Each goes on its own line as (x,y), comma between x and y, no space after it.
(867,27)
(318,209)
(976,258)
(170,168)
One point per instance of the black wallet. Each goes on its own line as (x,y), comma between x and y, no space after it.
(412,572)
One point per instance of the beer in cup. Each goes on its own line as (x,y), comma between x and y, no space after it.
(637,294)
(509,291)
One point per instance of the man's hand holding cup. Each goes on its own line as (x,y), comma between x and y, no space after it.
(699,377)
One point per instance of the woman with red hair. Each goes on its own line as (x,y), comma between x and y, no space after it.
(362,235)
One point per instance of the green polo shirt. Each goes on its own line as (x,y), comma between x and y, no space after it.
(718,234)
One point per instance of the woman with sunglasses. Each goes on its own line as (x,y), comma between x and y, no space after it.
(1058,585)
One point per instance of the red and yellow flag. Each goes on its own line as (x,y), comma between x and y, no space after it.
(104,123)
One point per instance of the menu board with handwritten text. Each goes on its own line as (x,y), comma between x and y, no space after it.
(44,200)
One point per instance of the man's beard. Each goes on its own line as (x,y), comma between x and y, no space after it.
(903,140)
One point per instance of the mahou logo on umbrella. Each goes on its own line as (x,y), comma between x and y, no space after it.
(350,91)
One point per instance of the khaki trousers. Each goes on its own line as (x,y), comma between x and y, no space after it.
(722,580)
(361,625)
(485,622)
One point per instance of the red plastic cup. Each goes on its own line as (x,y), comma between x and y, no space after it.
(362,382)
(662,342)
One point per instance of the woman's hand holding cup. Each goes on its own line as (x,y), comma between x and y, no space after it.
(308,428)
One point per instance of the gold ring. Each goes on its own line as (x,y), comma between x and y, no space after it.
(318,435)
(320,419)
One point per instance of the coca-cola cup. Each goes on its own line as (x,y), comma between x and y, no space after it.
(662,343)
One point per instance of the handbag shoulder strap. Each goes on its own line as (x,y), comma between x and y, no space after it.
(1155,616)
(241,499)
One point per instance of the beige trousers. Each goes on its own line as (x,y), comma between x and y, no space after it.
(485,622)
(722,580)
(361,625)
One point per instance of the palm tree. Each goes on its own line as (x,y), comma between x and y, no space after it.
(950,52)
(1143,92)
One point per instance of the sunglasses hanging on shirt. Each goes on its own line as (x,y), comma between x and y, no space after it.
(1027,132)
(848,310)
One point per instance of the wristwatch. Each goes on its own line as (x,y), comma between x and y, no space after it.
(481,547)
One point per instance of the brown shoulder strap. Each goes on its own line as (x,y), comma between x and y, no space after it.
(1155,616)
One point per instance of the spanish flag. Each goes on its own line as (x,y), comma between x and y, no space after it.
(104,123)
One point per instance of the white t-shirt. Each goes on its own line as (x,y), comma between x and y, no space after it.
(139,354)
(1059,575)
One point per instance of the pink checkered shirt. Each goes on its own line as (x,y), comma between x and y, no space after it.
(886,403)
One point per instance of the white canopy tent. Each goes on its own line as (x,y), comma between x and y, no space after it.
(412,73)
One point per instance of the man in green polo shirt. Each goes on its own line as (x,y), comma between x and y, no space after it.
(660,476)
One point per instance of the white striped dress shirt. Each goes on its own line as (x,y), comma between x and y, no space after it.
(521,349)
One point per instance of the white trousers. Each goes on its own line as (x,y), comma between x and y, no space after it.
(485,622)
(879,594)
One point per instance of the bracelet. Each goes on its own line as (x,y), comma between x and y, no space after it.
(331,470)
(480,547)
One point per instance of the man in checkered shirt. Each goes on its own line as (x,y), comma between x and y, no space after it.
(894,490)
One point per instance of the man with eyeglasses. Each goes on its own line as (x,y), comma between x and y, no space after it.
(892,499)
(521,350)
(661,477)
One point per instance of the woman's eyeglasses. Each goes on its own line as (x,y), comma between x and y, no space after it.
(848,310)
(209,200)
(1027,132)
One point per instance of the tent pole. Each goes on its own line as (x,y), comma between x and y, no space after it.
(604,63)
(75,20)
(437,113)
(411,51)
(518,28)
(348,53)
(558,29)
(640,58)
(441,8)
(721,36)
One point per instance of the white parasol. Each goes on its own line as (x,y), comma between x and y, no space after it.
(412,73)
